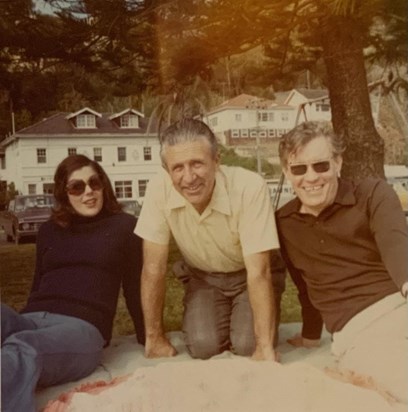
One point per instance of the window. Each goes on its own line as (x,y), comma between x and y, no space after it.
(238,117)
(85,121)
(123,189)
(48,188)
(32,189)
(142,184)
(284,116)
(271,132)
(129,120)
(121,154)
(214,121)
(41,155)
(147,153)
(2,162)
(322,107)
(97,152)
(263,116)
(72,151)
(235,133)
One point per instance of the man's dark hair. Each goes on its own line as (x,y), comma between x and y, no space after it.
(187,130)
(302,134)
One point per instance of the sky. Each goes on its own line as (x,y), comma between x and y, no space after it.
(42,6)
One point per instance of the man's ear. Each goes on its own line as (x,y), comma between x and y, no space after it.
(338,161)
(285,171)
(217,158)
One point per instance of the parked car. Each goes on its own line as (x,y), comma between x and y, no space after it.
(131,206)
(25,214)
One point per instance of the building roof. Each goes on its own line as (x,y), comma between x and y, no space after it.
(312,94)
(60,123)
(280,97)
(84,110)
(281,100)
(126,111)
(242,101)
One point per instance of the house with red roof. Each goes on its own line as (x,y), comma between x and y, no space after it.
(244,118)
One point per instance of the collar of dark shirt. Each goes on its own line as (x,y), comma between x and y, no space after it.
(344,197)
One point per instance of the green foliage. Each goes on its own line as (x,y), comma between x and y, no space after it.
(230,158)
(16,273)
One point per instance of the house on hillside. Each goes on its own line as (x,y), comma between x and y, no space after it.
(118,141)
(241,119)
(244,118)
(312,104)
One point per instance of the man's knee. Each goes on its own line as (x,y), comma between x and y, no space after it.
(242,344)
(204,346)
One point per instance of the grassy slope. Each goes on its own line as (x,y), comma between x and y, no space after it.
(17,267)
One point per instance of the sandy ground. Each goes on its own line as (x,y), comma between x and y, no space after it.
(125,356)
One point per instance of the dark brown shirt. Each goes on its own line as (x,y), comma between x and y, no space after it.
(349,257)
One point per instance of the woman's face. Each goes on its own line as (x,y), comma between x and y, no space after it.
(85,191)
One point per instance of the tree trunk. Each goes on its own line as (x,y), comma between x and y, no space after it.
(349,98)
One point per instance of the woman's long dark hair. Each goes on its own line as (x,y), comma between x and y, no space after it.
(63,212)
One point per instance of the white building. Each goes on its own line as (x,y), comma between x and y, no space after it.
(242,119)
(118,141)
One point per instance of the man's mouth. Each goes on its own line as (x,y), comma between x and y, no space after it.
(192,188)
(311,189)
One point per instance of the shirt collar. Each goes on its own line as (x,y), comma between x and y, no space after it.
(220,201)
(344,196)
(345,193)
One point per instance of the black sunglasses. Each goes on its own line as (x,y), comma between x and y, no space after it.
(77,187)
(318,167)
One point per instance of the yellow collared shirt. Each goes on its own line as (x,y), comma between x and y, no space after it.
(238,221)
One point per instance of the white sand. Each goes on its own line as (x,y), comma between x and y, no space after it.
(222,384)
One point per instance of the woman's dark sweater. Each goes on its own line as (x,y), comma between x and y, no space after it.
(80,269)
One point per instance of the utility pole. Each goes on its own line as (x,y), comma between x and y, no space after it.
(257,104)
(258,154)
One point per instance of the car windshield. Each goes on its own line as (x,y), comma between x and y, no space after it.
(23,203)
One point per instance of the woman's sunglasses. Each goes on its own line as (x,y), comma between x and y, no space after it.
(318,167)
(77,187)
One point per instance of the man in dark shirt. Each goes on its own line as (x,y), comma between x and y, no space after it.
(346,248)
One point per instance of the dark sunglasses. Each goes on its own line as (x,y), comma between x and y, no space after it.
(318,167)
(77,187)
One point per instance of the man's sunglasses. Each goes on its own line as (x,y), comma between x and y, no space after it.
(318,167)
(77,187)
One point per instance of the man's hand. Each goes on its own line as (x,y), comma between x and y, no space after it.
(300,342)
(159,348)
(265,353)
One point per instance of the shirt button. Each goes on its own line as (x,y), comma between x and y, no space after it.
(321,240)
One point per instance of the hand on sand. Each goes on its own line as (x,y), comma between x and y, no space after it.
(159,348)
(300,342)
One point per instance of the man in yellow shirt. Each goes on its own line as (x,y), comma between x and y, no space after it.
(223,223)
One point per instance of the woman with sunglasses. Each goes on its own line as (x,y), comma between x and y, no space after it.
(85,252)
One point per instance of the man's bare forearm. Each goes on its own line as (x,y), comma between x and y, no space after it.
(261,297)
(153,292)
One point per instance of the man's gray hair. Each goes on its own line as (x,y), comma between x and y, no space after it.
(302,134)
(187,130)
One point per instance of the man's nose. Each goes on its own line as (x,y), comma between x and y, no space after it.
(189,175)
(310,174)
